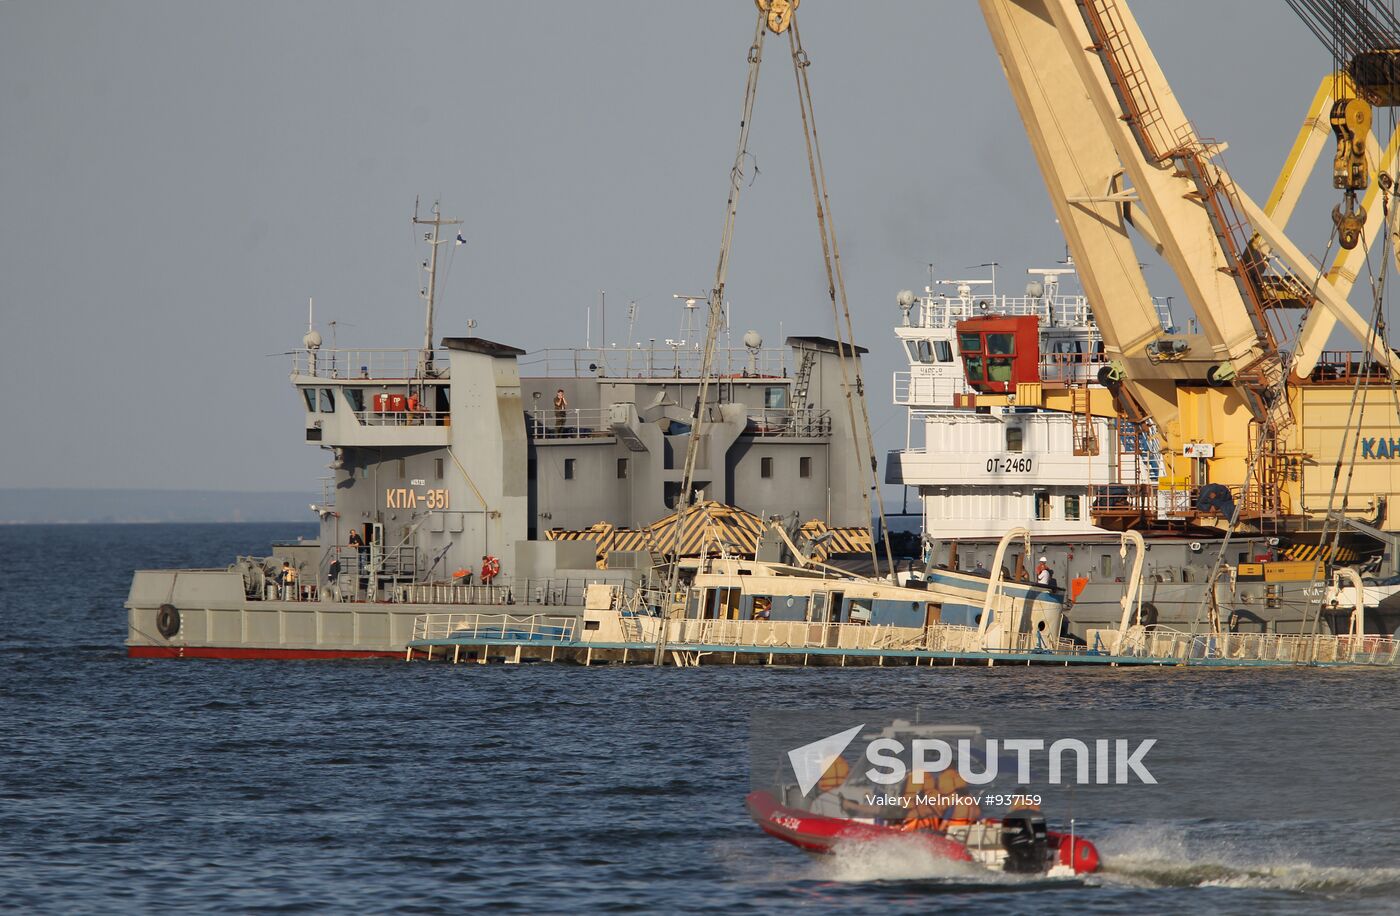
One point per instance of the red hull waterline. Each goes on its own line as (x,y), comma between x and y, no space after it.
(241,652)
(819,834)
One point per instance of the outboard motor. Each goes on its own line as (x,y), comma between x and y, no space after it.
(1024,838)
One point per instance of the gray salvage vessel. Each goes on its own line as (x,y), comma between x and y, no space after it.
(451,464)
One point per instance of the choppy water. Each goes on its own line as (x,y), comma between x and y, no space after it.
(288,786)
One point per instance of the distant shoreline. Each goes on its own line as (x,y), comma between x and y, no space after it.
(88,506)
(5,523)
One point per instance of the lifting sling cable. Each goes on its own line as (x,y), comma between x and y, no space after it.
(1357,390)
(836,283)
(714,322)
(1358,407)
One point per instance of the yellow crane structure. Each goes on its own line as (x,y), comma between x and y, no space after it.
(1245,400)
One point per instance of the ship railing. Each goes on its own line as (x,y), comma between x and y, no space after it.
(569,423)
(445,593)
(1071,368)
(513,627)
(799,634)
(801,422)
(1158,500)
(1346,366)
(923,389)
(792,634)
(682,360)
(545,590)
(1163,642)
(404,417)
(1060,311)
(399,364)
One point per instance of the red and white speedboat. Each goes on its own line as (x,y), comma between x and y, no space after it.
(1015,842)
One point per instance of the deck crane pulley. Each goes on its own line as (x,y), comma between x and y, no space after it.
(1351,122)
(1363,37)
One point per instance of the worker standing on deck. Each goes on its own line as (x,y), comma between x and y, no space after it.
(1043,575)
(333,579)
(289,582)
(362,556)
(561,404)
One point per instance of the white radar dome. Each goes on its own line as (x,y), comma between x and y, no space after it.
(905,298)
(753,340)
(1035,289)
(312,340)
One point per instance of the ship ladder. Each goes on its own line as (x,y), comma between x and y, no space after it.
(1086,442)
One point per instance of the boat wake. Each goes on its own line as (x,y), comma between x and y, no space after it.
(900,859)
(1171,857)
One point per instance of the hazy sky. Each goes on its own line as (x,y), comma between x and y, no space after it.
(176,178)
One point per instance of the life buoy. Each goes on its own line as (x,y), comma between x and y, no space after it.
(490,569)
(167,620)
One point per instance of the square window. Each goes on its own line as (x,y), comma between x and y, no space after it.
(1042,506)
(775,398)
(1015,438)
(1001,344)
(438,467)
(327,401)
(569,468)
(804,466)
(765,467)
(622,469)
(403,468)
(1072,507)
(310,395)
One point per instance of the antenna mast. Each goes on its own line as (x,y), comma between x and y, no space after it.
(429,293)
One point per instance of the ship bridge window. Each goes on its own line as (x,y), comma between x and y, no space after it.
(1072,507)
(970,343)
(1042,506)
(327,401)
(310,395)
(998,369)
(1015,439)
(943,349)
(356,399)
(922,351)
(775,397)
(974,368)
(1001,344)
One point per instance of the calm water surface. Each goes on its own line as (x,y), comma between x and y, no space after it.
(286,786)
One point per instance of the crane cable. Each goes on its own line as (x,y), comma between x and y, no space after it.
(1377,329)
(1208,599)
(836,283)
(712,328)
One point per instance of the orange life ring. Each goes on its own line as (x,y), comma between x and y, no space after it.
(490,569)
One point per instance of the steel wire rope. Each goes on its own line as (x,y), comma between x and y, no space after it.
(712,328)
(836,282)
(1377,329)
(1208,598)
